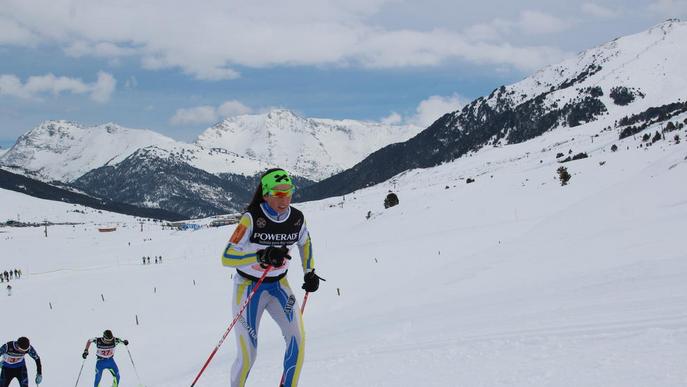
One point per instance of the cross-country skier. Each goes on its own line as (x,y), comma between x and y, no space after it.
(262,238)
(105,348)
(13,364)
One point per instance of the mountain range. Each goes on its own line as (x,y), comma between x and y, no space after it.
(214,174)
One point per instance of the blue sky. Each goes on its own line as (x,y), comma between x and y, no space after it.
(177,67)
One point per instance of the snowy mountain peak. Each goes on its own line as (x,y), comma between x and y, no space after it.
(302,145)
(64,150)
(650,62)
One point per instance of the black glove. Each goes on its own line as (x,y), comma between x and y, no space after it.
(126,342)
(85,354)
(311,281)
(273,256)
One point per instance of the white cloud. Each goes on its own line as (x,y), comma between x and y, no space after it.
(427,111)
(37,85)
(208,114)
(103,88)
(392,119)
(529,22)
(432,108)
(670,8)
(599,11)
(195,115)
(165,34)
(540,23)
(12,32)
(233,108)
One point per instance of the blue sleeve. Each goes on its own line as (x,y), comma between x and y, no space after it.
(33,353)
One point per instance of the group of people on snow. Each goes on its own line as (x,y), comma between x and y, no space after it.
(146,259)
(6,276)
(14,366)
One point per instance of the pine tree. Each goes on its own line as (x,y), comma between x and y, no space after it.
(563,175)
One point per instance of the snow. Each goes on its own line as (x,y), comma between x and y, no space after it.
(312,147)
(512,280)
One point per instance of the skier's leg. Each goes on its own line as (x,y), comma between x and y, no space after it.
(99,368)
(247,328)
(114,370)
(6,376)
(23,376)
(284,309)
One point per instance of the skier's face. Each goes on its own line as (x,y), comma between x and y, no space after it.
(279,202)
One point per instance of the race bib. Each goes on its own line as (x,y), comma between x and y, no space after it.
(105,352)
(9,359)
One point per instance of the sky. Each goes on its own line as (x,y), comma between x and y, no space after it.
(178,67)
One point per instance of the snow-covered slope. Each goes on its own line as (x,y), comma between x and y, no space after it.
(512,280)
(311,147)
(63,151)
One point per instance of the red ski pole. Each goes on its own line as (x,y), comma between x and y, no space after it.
(305,300)
(236,318)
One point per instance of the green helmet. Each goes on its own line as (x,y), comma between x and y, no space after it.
(273,179)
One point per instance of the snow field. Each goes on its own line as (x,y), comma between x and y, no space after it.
(509,281)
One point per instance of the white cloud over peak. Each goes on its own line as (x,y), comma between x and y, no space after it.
(540,23)
(670,8)
(529,22)
(209,114)
(38,85)
(432,108)
(599,11)
(427,111)
(392,119)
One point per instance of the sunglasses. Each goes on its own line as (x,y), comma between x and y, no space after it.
(282,193)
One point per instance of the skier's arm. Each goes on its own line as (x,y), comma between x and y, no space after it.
(88,344)
(305,248)
(37,359)
(3,350)
(123,341)
(234,254)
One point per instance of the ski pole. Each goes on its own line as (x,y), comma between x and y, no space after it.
(79,377)
(305,300)
(134,364)
(236,318)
